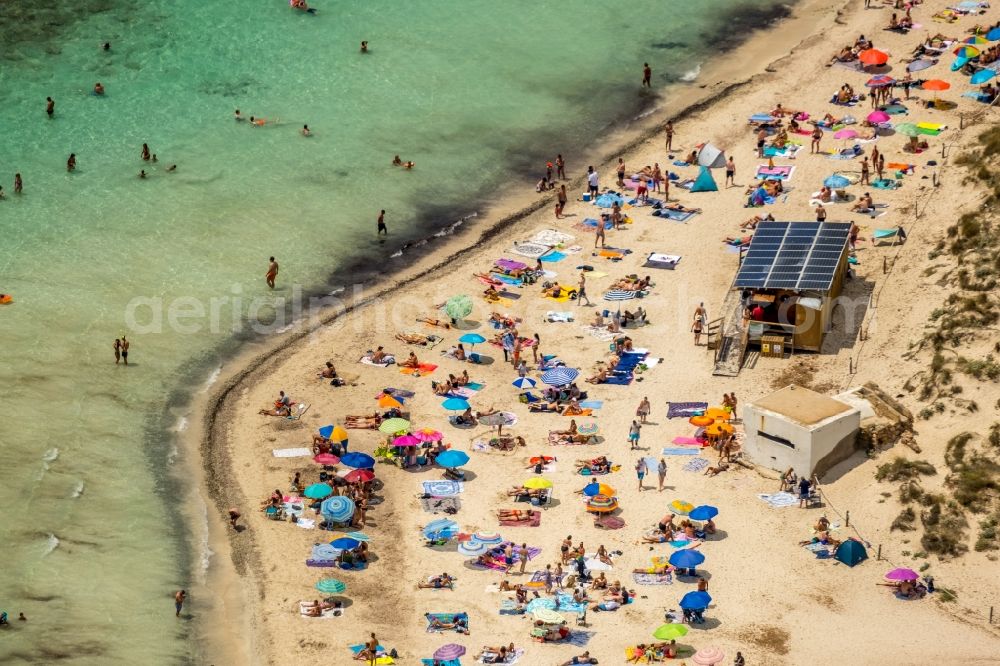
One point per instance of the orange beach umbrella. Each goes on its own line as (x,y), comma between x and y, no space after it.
(936,84)
(873,57)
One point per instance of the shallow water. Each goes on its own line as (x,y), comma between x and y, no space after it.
(477,93)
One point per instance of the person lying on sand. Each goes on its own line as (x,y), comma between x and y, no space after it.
(514,515)
(441,388)
(363,421)
(599,378)
(438,582)
(521,491)
(721,467)
(495,655)
(434,322)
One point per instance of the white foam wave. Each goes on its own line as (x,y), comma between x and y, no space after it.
(691,75)
(206,554)
(212,378)
(181,425)
(78,489)
(51,544)
(51,455)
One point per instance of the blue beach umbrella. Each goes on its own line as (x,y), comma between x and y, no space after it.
(452,459)
(524,382)
(959,63)
(456,404)
(703,512)
(440,528)
(358,536)
(560,376)
(345,543)
(472,339)
(358,460)
(318,491)
(338,509)
(696,600)
(993,35)
(686,559)
(982,76)
(762,118)
(836,181)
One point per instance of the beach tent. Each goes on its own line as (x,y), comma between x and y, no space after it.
(704,182)
(851,552)
(711,157)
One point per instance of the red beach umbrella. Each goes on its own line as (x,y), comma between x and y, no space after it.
(873,57)
(359,476)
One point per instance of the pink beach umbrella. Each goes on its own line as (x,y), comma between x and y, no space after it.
(449,652)
(878,117)
(845,134)
(405,440)
(708,656)
(326,459)
(428,435)
(902,574)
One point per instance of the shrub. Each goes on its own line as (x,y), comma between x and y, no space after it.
(902,469)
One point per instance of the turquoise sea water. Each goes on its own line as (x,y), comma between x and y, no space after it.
(479,94)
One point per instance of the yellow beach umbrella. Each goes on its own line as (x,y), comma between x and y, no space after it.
(388,402)
(717,429)
(537,483)
(716,413)
(338,434)
(701,421)
(680,506)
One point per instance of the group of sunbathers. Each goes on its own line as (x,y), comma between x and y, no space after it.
(651,652)
(453,382)
(593,466)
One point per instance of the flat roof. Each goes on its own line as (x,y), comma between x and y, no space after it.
(802,405)
(798,256)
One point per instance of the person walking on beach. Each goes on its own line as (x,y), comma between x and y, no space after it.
(880,166)
(592,181)
(697,326)
(118,350)
(647,75)
(633,435)
(50,106)
(621,172)
(581,290)
(669,129)
(179,599)
(272,273)
(522,554)
(865,174)
(817,134)
(562,198)
(642,411)
(730,172)
(382,229)
(560,167)
(661,473)
(599,233)
(820,213)
(761,139)
(640,471)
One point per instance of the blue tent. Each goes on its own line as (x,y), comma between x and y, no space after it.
(851,552)
(704,182)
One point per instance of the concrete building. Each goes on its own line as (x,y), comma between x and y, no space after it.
(801,429)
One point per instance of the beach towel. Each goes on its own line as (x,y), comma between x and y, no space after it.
(670,451)
(518,653)
(592,404)
(778,500)
(437,504)
(386,362)
(675,215)
(530,250)
(399,393)
(787,152)
(553,257)
(462,392)
(652,579)
(695,465)
(423,369)
(579,638)
(780,172)
(443,488)
(438,662)
(660,260)
(325,614)
(687,441)
(320,563)
(291,453)
(536,520)
(600,333)
(816,546)
(551,237)
(685,409)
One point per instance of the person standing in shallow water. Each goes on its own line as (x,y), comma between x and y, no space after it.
(71,162)
(18,183)
(179,599)
(50,106)
(272,273)
(124,346)
(647,75)
(118,351)
(382,229)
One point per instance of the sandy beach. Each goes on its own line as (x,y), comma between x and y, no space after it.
(772,601)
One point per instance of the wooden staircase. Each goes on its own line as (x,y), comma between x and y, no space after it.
(733,336)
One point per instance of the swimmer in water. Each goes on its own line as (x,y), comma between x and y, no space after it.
(172,168)
(396,161)
(107,46)
(408,165)
(50,106)
(364,47)
(142,173)
(145,152)
(306,131)
(154,160)
(71,162)
(98,88)
(257,122)
(237,116)
(18,183)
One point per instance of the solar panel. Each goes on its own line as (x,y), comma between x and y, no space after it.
(793,255)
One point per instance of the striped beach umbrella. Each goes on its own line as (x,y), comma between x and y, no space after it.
(560,376)
(524,383)
(594,489)
(708,656)
(449,652)
(338,508)
(602,504)
(392,426)
(880,81)
(386,401)
(619,295)
(966,51)
(358,536)
(331,586)
(471,548)
(487,538)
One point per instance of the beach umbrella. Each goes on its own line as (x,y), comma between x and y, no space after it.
(602,504)
(487,538)
(345,543)
(594,488)
(716,429)
(880,81)
(560,376)
(440,527)
(703,512)
(317,491)
(975,39)
(537,483)
(687,559)
(524,382)
(338,508)
(358,460)
(471,548)
(902,574)
(836,181)
(359,476)
(358,536)
(619,295)
(334,433)
(392,426)
(959,64)
(870,57)
(993,35)
(936,85)
(696,600)
(918,65)
(456,404)
(588,428)
(548,616)
(878,117)
(670,632)
(701,420)
(331,586)
(682,507)
(449,652)
(387,401)
(907,129)
(982,76)
(499,419)
(428,435)
(325,459)
(472,339)
(458,307)
(718,413)
(405,440)
(966,51)
(708,656)
(845,133)
(452,459)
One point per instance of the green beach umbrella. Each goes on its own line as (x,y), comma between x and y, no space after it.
(392,426)
(331,586)
(670,632)
(908,129)
(458,307)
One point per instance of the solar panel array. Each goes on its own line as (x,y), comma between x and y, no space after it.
(793,255)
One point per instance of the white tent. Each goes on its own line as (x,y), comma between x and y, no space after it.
(711,157)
